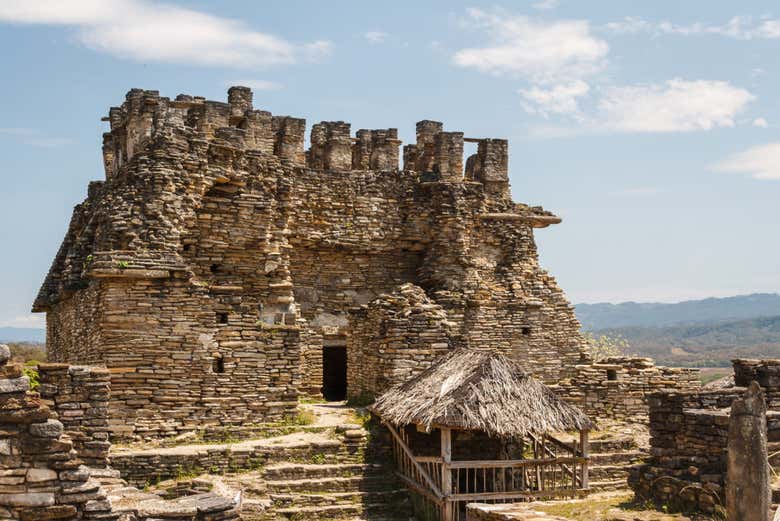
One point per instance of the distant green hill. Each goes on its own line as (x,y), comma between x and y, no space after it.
(704,344)
(627,314)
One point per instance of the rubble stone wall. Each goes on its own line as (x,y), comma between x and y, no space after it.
(394,338)
(689,440)
(765,372)
(689,447)
(42,475)
(618,388)
(79,395)
(47,439)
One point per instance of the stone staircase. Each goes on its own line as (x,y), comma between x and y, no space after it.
(335,491)
(346,478)
(610,461)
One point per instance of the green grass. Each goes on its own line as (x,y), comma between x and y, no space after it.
(618,507)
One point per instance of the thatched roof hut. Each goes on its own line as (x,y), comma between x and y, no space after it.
(479,390)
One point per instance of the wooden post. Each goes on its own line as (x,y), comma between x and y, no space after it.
(585,450)
(446,473)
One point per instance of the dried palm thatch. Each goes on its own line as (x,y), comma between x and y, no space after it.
(471,389)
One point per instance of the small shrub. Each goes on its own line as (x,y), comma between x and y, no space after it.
(122,264)
(602,347)
(30,370)
(318,459)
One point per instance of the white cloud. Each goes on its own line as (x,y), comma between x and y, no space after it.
(543,52)
(560,99)
(255,84)
(738,27)
(375,37)
(144,30)
(759,162)
(544,5)
(760,122)
(675,106)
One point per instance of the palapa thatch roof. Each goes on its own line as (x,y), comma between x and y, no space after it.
(474,389)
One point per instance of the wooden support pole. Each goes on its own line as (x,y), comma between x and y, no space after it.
(446,473)
(585,450)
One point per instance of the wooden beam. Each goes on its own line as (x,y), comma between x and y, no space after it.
(482,496)
(408,452)
(514,463)
(446,473)
(585,451)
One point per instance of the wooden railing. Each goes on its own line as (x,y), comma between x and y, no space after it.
(418,475)
(445,486)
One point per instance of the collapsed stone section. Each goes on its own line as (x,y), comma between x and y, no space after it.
(42,475)
(394,338)
(54,454)
(618,387)
(690,438)
(80,395)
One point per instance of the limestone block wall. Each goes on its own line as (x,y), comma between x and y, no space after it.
(73,331)
(207,266)
(176,367)
(765,372)
(618,388)
(42,474)
(689,438)
(394,338)
(79,395)
(46,441)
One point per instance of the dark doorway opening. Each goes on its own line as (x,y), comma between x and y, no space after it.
(334,373)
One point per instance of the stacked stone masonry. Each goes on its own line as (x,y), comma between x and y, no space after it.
(218,258)
(79,395)
(689,439)
(618,388)
(43,474)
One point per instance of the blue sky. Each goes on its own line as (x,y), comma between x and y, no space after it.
(650,127)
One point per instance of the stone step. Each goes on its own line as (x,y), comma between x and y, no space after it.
(605,485)
(297,471)
(387,497)
(313,513)
(628,457)
(611,445)
(608,472)
(333,484)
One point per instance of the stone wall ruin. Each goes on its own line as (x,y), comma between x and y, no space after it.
(690,439)
(53,455)
(218,261)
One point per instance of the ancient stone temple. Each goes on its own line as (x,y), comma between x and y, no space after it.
(220,270)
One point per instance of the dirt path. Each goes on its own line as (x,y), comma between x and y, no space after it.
(331,414)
